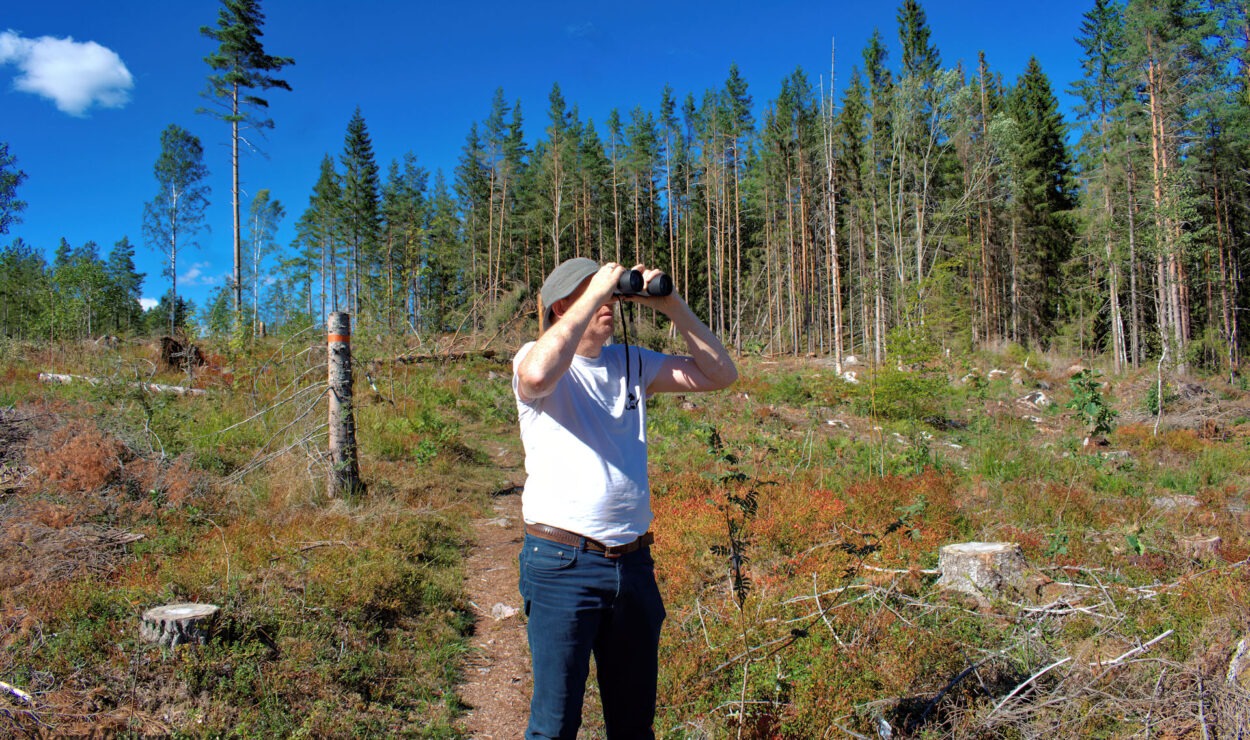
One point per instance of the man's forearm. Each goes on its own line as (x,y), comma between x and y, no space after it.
(703,346)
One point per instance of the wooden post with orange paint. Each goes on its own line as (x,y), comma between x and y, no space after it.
(344,469)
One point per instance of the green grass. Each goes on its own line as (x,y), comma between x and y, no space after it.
(349,617)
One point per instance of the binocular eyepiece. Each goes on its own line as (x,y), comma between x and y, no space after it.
(631,284)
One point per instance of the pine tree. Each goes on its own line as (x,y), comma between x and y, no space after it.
(878,165)
(240,67)
(10,179)
(853,150)
(1168,60)
(174,218)
(554,164)
(1104,95)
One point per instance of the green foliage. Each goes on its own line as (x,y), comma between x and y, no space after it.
(1152,399)
(898,395)
(10,179)
(1089,404)
(175,215)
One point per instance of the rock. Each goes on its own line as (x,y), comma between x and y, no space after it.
(850,361)
(850,377)
(837,423)
(986,569)
(1035,399)
(1074,370)
(178,624)
(996,373)
(688,405)
(502,611)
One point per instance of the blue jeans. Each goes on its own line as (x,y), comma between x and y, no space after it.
(580,602)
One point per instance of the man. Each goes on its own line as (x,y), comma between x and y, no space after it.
(587,578)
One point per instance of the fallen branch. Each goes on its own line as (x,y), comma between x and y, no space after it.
(1139,649)
(903,571)
(314,546)
(149,387)
(1027,681)
(15,691)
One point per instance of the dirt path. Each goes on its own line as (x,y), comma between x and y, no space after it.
(497,677)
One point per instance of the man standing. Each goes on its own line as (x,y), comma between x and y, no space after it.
(587,578)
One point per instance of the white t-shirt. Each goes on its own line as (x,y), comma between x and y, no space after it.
(586,446)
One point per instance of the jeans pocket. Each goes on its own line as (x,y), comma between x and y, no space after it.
(541,556)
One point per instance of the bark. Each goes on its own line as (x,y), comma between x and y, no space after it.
(178,624)
(344,478)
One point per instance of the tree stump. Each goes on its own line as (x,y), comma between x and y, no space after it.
(1200,547)
(178,624)
(984,569)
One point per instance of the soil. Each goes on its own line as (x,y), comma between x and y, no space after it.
(497,676)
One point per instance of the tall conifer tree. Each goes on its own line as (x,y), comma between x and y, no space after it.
(10,179)
(361,213)
(241,67)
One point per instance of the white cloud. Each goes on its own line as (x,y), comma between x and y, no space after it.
(147,304)
(74,75)
(195,275)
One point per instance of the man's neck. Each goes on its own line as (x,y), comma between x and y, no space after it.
(589,347)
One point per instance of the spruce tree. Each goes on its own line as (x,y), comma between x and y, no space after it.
(445,283)
(404,212)
(361,214)
(1043,196)
(125,285)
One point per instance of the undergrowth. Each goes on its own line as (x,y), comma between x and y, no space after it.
(798,518)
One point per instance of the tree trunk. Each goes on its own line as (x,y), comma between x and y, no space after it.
(178,624)
(344,478)
(986,570)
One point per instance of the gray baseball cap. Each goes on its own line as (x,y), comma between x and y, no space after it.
(563,281)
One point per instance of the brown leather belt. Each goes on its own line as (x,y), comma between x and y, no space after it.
(573,539)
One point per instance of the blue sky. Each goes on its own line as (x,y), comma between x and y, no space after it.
(86,87)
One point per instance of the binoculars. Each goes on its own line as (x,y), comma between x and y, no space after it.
(631,284)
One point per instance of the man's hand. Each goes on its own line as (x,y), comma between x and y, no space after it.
(708,366)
